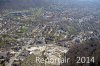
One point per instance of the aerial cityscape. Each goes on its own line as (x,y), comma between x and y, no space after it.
(49,33)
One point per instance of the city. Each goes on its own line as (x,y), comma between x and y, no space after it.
(54,32)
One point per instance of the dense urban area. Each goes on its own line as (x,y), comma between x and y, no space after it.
(49,29)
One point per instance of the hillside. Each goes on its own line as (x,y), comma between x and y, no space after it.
(24,4)
(21,4)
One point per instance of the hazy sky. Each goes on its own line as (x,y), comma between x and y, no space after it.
(87,0)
